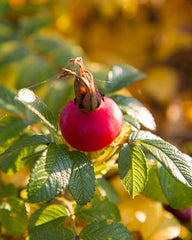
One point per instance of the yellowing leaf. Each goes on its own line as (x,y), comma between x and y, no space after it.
(160,225)
(145,216)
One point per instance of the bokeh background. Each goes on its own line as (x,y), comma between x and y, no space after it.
(38,37)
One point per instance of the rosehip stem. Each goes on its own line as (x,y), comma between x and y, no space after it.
(87,95)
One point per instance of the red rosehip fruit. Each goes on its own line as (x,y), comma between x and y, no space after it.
(91,131)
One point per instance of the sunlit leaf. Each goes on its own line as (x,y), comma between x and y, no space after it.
(103,230)
(122,75)
(132,107)
(53,214)
(129,120)
(39,108)
(132,169)
(178,164)
(82,180)
(97,210)
(50,174)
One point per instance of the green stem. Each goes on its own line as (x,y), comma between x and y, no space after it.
(74,227)
(69,206)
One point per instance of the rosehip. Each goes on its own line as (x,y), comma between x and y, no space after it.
(92,121)
(91,131)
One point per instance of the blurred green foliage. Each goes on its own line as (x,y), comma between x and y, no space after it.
(37,39)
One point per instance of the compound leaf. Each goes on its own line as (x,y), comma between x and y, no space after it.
(50,174)
(178,164)
(120,76)
(97,210)
(82,180)
(132,169)
(103,230)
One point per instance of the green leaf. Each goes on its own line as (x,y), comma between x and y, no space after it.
(50,174)
(69,50)
(60,93)
(15,157)
(97,210)
(178,195)
(153,187)
(132,169)
(10,128)
(107,190)
(52,214)
(9,190)
(100,73)
(29,71)
(82,180)
(120,76)
(39,108)
(13,51)
(45,223)
(103,230)
(4,7)
(129,120)
(8,102)
(52,232)
(132,107)
(178,164)
(45,43)
(13,216)
(28,25)
(6,32)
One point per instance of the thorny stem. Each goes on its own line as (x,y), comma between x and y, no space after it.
(87,95)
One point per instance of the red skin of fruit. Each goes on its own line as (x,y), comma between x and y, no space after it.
(91,131)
